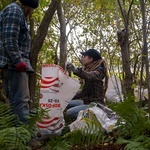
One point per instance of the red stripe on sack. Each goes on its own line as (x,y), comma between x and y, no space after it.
(60,126)
(48,82)
(48,122)
(40,126)
(44,86)
(48,77)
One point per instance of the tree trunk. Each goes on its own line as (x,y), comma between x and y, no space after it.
(123,40)
(145,50)
(63,39)
(38,42)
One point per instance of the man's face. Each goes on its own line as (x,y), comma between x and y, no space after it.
(86,60)
(28,11)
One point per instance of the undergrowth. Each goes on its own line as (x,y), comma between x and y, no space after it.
(14,136)
(132,129)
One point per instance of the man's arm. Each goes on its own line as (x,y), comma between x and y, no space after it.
(11,30)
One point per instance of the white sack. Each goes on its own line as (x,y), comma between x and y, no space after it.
(56,90)
(114,91)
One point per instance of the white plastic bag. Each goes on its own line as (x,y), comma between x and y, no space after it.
(140,90)
(114,91)
(105,116)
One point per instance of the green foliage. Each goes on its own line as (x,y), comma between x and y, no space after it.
(139,143)
(4,3)
(35,115)
(57,143)
(7,119)
(16,137)
(136,121)
(133,129)
(12,137)
(133,126)
(87,137)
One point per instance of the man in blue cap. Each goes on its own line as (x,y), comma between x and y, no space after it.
(14,54)
(93,72)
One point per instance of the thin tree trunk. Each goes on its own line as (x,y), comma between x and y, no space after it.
(38,42)
(63,39)
(145,50)
(123,40)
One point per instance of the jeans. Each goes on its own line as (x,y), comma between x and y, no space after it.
(74,107)
(17,91)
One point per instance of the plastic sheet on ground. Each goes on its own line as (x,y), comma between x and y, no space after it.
(105,116)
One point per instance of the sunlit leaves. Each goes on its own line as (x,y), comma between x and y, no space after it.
(4,3)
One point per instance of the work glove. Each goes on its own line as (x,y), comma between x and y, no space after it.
(70,67)
(22,67)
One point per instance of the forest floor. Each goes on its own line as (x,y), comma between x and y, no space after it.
(112,146)
(39,145)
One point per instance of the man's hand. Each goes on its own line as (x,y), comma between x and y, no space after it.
(70,67)
(22,67)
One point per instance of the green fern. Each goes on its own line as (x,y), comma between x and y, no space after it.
(139,143)
(88,136)
(92,132)
(7,118)
(133,125)
(35,115)
(136,121)
(14,138)
(56,143)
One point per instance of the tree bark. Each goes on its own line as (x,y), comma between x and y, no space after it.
(145,50)
(38,42)
(63,39)
(123,40)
